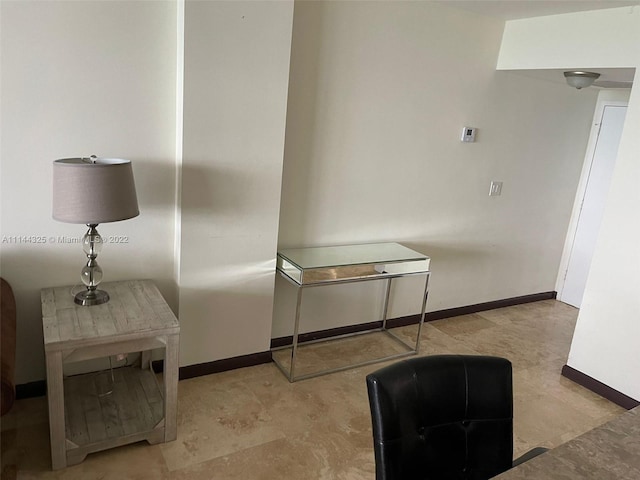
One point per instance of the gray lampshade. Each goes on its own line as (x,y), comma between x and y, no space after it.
(93,190)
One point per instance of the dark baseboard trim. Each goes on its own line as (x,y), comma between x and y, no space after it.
(322,334)
(223,365)
(598,387)
(481,307)
(39,388)
(413,319)
(31,389)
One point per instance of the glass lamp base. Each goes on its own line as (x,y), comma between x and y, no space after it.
(89,297)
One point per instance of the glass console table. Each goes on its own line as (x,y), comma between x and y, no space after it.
(318,266)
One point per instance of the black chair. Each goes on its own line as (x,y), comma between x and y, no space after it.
(443,417)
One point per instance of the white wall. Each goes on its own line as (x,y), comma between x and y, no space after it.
(236,79)
(379,94)
(100,77)
(595,39)
(82,78)
(605,342)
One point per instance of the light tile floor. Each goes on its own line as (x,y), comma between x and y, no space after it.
(253,424)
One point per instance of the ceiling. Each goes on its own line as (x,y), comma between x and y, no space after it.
(609,77)
(515,9)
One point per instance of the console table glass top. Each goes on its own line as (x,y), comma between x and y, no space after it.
(309,266)
(317,266)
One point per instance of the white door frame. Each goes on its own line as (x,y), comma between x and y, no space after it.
(619,98)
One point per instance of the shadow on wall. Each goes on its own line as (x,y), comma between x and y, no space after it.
(302,116)
(230,192)
(209,190)
(155,184)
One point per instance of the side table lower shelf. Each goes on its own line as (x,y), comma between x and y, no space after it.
(133,411)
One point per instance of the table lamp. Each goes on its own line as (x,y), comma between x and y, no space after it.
(92,191)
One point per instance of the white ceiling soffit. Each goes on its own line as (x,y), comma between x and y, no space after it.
(609,77)
(514,9)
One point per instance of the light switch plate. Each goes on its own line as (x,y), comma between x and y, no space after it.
(495,189)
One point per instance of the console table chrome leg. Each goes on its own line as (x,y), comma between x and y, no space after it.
(385,308)
(424,309)
(296,325)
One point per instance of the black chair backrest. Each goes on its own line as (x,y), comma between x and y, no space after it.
(442,417)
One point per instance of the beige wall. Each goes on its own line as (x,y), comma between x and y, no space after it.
(596,39)
(235,84)
(82,78)
(111,90)
(379,94)
(605,342)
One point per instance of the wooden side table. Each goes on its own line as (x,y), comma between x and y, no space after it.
(136,319)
